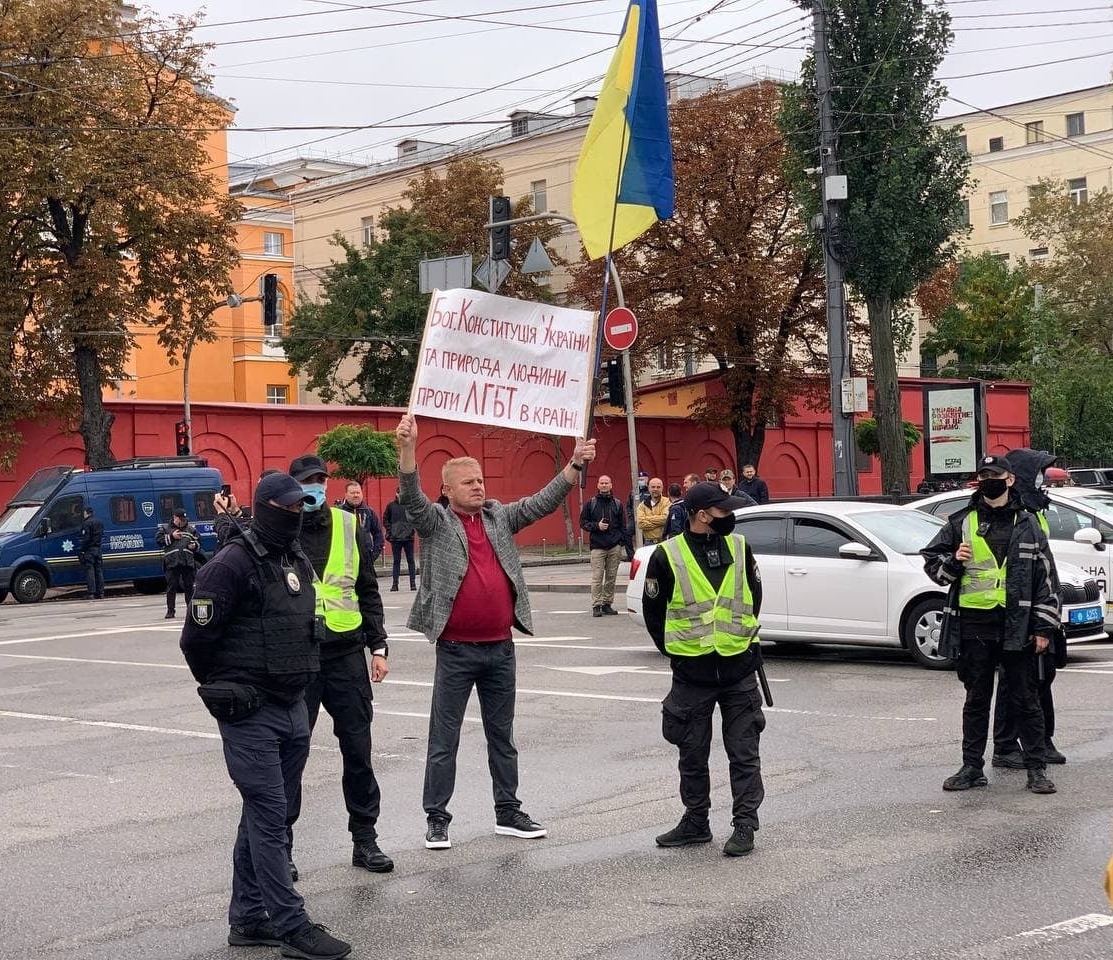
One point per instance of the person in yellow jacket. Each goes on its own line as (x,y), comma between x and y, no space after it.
(652,513)
(701,603)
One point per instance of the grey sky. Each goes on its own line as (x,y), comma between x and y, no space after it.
(435,61)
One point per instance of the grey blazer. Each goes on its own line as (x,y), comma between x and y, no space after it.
(444,549)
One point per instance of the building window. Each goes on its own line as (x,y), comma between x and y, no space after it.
(519,126)
(272,244)
(273,329)
(540,191)
(1037,253)
(367,231)
(966,213)
(1001,258)
(1076,124)
(998,207)
(1077,190)
(996,144)
(1034,131)
(278,393)
(666,360)
(962,143)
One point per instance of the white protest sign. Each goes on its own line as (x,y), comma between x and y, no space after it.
(506,363)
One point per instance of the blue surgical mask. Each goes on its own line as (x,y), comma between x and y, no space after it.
(317,492)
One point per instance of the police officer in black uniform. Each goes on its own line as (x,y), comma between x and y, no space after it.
(180,545)
(343,686)
(701,603)
(89,553)
(1000,611)
(252,641)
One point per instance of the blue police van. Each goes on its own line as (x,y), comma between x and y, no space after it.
(39,539)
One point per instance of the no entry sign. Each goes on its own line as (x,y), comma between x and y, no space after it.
(620,329)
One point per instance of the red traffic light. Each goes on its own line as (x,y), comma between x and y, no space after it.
(181,438)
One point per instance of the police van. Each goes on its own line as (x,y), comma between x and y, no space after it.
(39,539)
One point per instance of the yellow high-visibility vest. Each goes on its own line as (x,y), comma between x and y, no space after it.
(336,590)
(701,620)
(983,580)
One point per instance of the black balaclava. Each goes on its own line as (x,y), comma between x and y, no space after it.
(275,527)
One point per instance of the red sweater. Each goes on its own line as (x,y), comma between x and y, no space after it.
(483,611)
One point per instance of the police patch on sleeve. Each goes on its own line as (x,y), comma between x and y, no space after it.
(651,588)
(201,610)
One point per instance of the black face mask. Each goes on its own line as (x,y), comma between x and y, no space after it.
(274,526)
(722,525)
(992,487)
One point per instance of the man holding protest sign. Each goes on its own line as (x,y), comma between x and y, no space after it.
(472,593)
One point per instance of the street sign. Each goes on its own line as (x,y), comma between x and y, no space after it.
(444,273)
(491,273)
(620,329)
(538,259)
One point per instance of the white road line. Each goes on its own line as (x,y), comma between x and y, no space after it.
(1105,673)
(58,773)
(1067,928)
(91,633)
(115,663)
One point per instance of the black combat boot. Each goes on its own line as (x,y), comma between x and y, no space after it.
(691,829)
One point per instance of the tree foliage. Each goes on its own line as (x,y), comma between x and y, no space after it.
(113,218)
(905,175)
(731,275)
(359,452)
(357,341)
(866,435)
(982,325)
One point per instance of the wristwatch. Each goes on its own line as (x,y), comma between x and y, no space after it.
(576,466)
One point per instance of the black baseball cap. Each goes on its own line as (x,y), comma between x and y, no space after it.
(180,512)
(704,496)
(304,467)
(282,489)
(995,466)
(711,470)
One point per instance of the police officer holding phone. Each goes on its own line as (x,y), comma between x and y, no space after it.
(252,642)
(1000,610)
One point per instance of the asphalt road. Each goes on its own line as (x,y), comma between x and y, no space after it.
(117,816)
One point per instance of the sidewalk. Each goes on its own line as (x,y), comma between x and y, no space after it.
(565,574)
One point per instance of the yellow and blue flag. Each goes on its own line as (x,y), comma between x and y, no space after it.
(624,181)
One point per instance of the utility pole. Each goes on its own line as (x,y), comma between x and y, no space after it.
(833,187)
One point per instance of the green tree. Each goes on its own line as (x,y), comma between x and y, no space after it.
(358,342)
(905,175)
(866,435)
(731,276)
(983,328)
(359,452)
(112,217)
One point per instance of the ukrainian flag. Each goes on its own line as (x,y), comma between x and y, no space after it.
(624,183)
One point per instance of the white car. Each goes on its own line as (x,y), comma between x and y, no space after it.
(1080,528)
(844,572)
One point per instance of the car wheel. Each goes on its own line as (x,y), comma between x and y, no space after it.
(150,586)
(922,627)
(29,586)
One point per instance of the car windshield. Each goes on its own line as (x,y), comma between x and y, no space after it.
(16,518)
(1099,503)
(906,531)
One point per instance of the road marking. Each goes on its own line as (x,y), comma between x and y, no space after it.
(59,773)
(644,671)
(1067,928)
(1106,673)
(115,663)
(91,633)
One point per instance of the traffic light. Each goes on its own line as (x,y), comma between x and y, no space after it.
(270,299)
(181,437)
(616,393)
(500,236)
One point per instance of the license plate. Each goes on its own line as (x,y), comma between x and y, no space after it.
(1086,615)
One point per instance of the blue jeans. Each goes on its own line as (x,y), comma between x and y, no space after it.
(265,754)
(490,668)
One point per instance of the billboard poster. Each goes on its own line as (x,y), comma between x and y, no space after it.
(953,430)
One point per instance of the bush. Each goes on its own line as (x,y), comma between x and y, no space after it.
(865,435)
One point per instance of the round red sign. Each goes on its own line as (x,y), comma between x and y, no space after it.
(620,329)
